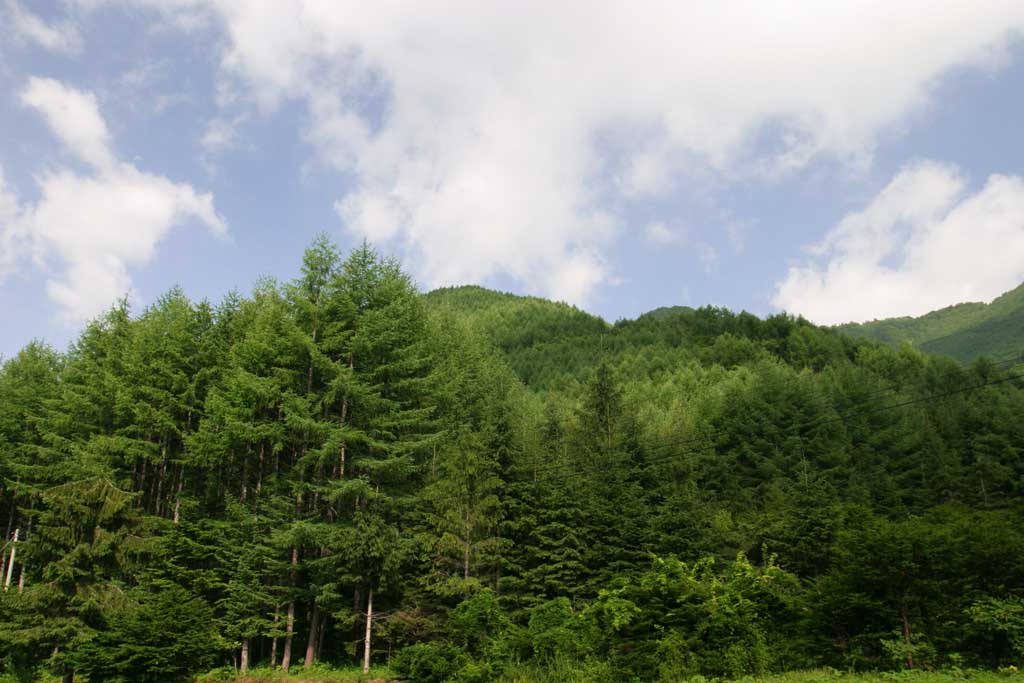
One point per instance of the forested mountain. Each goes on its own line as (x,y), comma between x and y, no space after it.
(546,343)
(475,486)
(964,331)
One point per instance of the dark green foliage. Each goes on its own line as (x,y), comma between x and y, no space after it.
(162,634)
(511,483)
(905,586)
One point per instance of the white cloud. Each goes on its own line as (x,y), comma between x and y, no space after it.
(96,225)
(660,234)
(74,117)
(221,134)
(484,135)
(61,37)
(648,173)
(923,243)
(11,235)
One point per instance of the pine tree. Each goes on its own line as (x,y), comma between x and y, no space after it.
(465,515)
(77,561)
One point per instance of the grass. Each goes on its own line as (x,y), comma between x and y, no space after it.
(313,674)
(582,673)
(908,676)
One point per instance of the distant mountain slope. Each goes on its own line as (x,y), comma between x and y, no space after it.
(666,312)
(964,331)
(547,343)
(553,345)
(513,321)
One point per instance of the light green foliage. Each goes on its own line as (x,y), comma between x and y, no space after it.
(554,630)
(678,620)
(964,331)
(314,674)
(1002,619)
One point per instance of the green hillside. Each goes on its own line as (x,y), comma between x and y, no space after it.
(553,346)
(530,331)
(965,331)
(515,322)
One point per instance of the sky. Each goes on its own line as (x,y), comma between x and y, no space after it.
(841,161)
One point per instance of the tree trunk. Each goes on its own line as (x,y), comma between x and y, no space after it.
(245,474)
(244,666)
(259,478)
(344,414)
(906,634)
(220,479)
(158,504)
(3,558)
(314,623)
(177,496)
(320,636)
(273,641)
(10,518)
(465,552)
(10,563)
(21,570)
(153,501)
(286,657)
(369,631)
(141,500)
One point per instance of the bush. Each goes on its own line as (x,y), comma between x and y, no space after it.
(429,662)
(552,630)
(166,637)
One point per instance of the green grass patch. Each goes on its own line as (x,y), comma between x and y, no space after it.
(594,672)
(953,675)
(314,674)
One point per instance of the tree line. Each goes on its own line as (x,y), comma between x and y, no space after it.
(468,484)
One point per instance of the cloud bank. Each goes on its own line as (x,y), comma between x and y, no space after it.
(94,225)
(496,139)
(923,243)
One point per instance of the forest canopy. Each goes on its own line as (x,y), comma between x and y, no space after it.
(463,483)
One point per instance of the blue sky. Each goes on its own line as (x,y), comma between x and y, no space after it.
(844,162)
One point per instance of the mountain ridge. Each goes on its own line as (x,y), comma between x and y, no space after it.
(964,331)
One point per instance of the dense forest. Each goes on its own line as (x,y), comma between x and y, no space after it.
(965,331)
(473,486)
